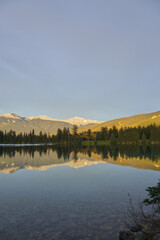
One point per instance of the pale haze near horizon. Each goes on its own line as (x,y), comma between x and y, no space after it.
(93,59)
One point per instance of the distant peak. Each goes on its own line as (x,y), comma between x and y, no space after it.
(77,118)
(10,115)
(81,121)
(42,117)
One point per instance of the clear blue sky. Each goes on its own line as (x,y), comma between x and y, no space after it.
(97,59)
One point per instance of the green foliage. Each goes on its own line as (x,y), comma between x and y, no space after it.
(121,136)
(144,138)
(104,133)
(113,139)
(59,135)
(89,134)
(154,196)
(74,130)
(140,135)
(96,143)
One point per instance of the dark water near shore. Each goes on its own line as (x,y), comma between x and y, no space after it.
(71,193)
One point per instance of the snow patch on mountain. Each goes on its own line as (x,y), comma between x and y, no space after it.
(81,121)
(42,117)
(10,115)
(75,120)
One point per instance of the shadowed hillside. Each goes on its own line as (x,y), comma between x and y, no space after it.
(19,124)
(11,121)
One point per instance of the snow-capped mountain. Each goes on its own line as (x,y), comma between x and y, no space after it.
(75,120)
(81,121)
(11,121)
(42,117)
(10,115)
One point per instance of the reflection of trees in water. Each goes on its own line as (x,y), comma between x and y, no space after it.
(152,152)
(75,155)
(64,151)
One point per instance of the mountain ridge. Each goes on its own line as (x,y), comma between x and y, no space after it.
(144,119)
(74,120)
(12,121)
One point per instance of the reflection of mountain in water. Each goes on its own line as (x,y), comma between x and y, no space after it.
(43,157)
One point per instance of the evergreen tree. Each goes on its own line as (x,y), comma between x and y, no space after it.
(75,131)
(1,137)
(143,139)
(121,136)
(113,139)
(59,135)
(89,134)
(104,134)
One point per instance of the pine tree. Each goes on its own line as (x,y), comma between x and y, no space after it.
(59,135)
(75,131)
(89,134)
(113,139)
(121,136)
(143,139)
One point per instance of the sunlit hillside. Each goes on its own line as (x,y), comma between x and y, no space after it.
(137,120)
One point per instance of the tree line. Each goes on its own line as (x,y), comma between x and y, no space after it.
(24,138)
(127,135)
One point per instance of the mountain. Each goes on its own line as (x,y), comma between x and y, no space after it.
(10,116)
(11,121)
(42,117)
(75,120)
(82,121)
(133,121)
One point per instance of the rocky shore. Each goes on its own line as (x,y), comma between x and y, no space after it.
(130,235)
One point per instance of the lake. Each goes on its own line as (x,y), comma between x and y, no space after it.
(49,192)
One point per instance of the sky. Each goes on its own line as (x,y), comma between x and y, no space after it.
(97,59)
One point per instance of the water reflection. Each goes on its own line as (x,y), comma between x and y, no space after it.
(67,204)
(43,157)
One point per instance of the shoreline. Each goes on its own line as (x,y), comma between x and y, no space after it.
(25,144)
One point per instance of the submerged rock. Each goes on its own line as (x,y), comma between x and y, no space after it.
(157,237)
(130,235)
(126,235)
(139,235)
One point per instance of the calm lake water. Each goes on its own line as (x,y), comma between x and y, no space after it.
(65,193)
